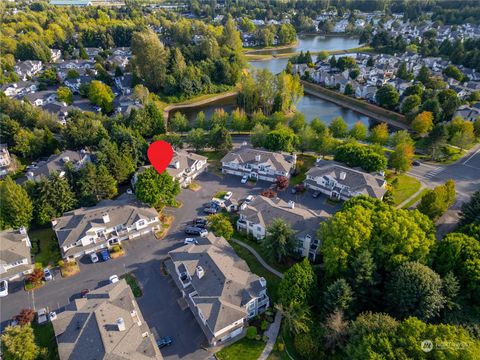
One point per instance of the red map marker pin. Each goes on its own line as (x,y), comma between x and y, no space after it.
(160,154)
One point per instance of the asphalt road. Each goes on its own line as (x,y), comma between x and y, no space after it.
(465,172)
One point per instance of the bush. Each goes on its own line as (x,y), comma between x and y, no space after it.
(269,193)
(264,338)
(264,325)
(365,157)
(116,248)
(61,263)
(251,332)
(35,246)
(281,347)
(258,337)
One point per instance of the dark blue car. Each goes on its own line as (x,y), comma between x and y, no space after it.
(164,341)
(104,254)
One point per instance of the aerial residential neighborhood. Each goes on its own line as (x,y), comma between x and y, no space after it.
(239,180)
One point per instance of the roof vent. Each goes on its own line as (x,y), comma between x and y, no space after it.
(257,157)
(22,230)
(106,218)
(66,159)
(176,164)
(120,324)
(291,204)
(199,271)
(343,175)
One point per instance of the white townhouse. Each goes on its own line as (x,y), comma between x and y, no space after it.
(15,257)
(340,182)
(86,230)
(258,164)
(218,286)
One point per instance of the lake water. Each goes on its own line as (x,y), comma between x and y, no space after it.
(310,106)
(316,43)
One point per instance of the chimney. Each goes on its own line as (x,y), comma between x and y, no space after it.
(291,204)
(343,175)
(22,230)
(176,164)
(65,159)
(257,157)
(106,218)
(199,271)
(120,324)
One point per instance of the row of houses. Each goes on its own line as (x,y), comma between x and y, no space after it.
(378,70)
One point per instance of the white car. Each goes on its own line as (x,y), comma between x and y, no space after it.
(113,279)
(228,195)
(3,288)
(42,316)
(190,241)
(94,257)
(249,199)
(244,179)
(203,233)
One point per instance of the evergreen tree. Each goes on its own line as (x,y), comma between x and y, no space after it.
(16,208)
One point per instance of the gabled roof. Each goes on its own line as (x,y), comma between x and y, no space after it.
(13,247)
(87,329)
(279,161)
(185,160)
(357,181)
(227,284)
(75,224)
(56,163)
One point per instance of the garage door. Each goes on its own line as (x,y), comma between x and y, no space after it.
(236,332)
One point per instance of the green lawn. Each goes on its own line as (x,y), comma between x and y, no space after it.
(132,281)
(243,349)
(403,186)
(272,280)
(48,250)
(287,339)
(45,337)
(304,163)
(214,158)
(415,199)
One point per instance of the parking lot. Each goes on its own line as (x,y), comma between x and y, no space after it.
(160,303)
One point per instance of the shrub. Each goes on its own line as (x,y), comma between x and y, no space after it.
(269,193)
(36,276)
(264,325)
(264,338)
(117,248)
(258,337)
(251,332)
(281,346)
(61,263)
(25,317)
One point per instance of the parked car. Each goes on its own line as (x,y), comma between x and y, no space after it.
(84,293)
(210,210)
(190,241)
(42,316)
(193,230)
(416,163)
(94,257)
(316,194)
(105,255)
(164,341)
(200,222)
(113,279)
(228,195)
(3,288)
(249,199)
(47,274)
(244,179)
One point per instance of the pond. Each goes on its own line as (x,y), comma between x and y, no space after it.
(310,106)
(315,43)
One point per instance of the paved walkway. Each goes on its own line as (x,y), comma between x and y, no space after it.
(274,329)
(272,334)
(402,204)
(259,258)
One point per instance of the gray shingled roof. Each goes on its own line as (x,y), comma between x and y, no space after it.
(87,328)
(358,181)
(13,248)
(246,155)
(264,211)
(227,286)
(74,224)
(185,159)
(55,163)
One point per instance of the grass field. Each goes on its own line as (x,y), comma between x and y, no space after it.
(304,163)
(257,268)
(415,199)
(45,338)
(243,349)
(403,186)
(49,252)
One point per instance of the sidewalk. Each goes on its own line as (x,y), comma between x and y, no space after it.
(259,258)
